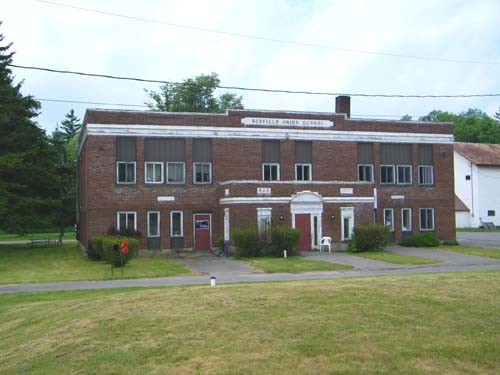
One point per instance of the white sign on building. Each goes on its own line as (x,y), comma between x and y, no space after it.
(264,121)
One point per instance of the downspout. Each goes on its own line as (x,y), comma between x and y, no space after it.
(375,206)
(472,188)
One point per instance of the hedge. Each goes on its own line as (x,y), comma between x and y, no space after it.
(279,238)
(103,245)
(428,239)
(369,238)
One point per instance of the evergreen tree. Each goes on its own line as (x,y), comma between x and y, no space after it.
(28,179)
(70,126)
(193,95)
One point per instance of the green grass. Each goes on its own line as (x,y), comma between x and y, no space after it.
(474,250)
(293,265)
(49,234)
(395,258)
(19,264)
(412,324)
(477,230)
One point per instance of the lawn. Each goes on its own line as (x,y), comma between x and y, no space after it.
(474,250)
(477,230)
(395,258)
(293,264)
(412,324)
(49,234)
(19,264)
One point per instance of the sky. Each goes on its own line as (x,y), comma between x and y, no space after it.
(52,36)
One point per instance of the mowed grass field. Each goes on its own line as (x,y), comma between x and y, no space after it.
(396,258)
(412,324)
(294,264)
(21,264)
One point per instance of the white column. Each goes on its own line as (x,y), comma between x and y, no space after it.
(227,234)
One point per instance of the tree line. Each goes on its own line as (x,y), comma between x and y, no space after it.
(38,171)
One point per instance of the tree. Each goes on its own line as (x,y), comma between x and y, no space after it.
(497,114)
(406,118)
(70,126)
(28,178)
(473,125)
(193,95)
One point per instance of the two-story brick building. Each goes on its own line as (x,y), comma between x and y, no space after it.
(186,179)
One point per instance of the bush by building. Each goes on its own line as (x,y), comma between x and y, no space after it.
(369,238)
(450,242)
(428,239)
(279,238)
(102,247)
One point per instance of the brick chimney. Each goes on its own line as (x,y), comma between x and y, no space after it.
(343,105)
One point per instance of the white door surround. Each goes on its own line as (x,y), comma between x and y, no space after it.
(307,202)
(346,218)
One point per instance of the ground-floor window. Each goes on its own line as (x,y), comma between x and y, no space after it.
(126,220)
(153,224)
(389,218)
(176,224)
(427,219)
(406,219)
(264,217)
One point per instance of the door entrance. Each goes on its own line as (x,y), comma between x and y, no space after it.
(303,222)
(202,232)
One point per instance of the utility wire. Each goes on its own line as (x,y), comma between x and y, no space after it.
(273,40)
(282,91)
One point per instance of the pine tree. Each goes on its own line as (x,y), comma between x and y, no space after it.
(70,126)
(28,178)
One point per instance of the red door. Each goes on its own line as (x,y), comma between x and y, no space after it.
(303,222)
(202,232)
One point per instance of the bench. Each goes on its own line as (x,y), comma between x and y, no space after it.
(45,243)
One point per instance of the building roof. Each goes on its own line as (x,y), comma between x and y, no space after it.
(479,153)
(459,205)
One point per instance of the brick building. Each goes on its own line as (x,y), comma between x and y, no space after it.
(186,179)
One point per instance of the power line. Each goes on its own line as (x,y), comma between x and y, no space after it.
(145,106)
(273,40)
(281,91)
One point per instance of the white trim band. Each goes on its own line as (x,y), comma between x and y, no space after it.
(259,133)
(284,200)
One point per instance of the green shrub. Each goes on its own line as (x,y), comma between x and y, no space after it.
(103,247)
(369,238)
(281,238)
(246,239)
(450,242)
(428,239)
(219,243)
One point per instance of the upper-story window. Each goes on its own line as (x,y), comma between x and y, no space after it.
(202,161)
(125,160)
(270,160)
(164,157)
(365,162)
(396,162)
(425,165)
(404,174)
(303,161)
(153,172)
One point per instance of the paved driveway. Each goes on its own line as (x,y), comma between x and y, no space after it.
(486,239)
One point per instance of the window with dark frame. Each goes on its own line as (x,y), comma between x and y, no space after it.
(404,174)
(491,212)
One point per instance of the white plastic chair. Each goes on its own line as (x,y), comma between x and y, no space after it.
(326,241)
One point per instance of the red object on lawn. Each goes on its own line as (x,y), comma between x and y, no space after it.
(124,247)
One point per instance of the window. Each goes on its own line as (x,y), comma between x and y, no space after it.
(491,212)
(154,173)
(406,219)
(176,225)
(270,172)
(202,173)
(387,174)
(303,172)
(153,224)
(365,172)
(126,220)
(404,174)
(425,175)
(264,216)
(467,177)
(389,218)
(125,172)
(427,219)
(175,173)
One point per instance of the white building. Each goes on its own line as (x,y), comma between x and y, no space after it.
(477,184)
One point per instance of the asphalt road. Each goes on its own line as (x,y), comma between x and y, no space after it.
(484,239)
